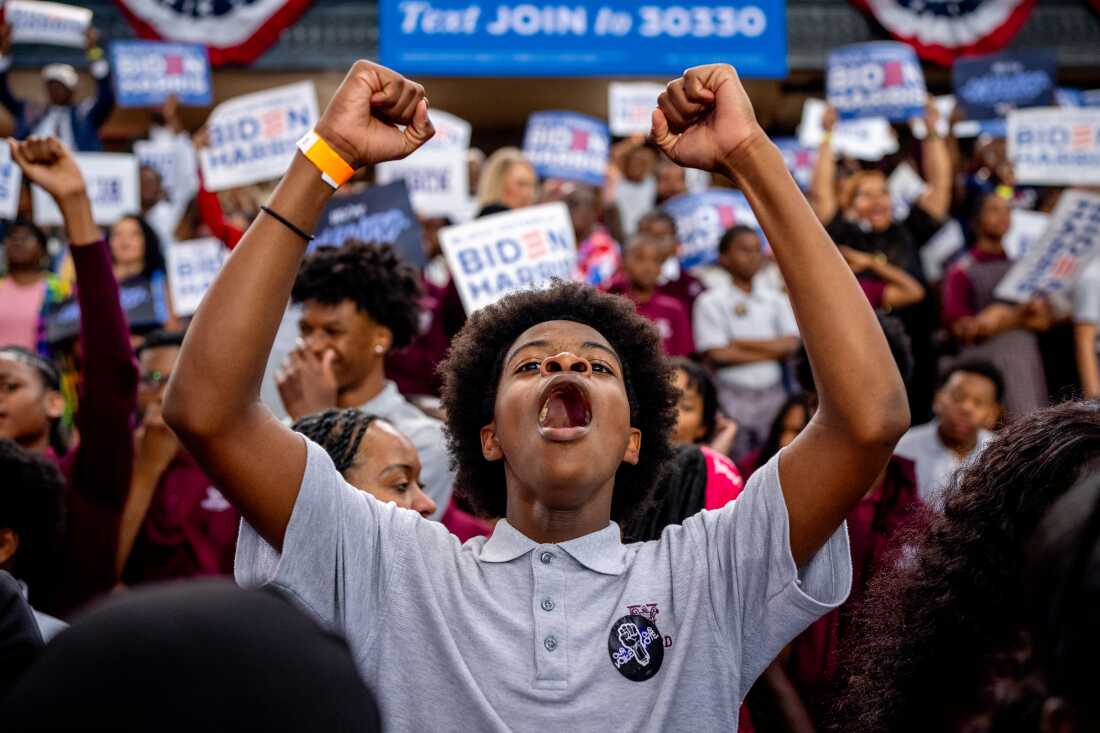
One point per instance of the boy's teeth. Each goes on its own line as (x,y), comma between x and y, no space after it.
(545,409)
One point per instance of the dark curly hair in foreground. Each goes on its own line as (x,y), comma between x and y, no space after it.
(339,432)
(939,642)
(371,276)
(472,372)
(31,505)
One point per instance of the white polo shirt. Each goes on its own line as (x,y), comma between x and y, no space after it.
(505,634)
(728,314)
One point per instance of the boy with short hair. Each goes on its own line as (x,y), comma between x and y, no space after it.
(744,332)
(559,407)
(642,267)
(967,407)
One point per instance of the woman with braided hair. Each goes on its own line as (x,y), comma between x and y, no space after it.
(371,455)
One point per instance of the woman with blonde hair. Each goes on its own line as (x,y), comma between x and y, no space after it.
(507,179)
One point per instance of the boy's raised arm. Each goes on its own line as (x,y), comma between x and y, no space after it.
(212,401)
(705,120)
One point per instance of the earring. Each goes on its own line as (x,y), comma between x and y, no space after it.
(378,348)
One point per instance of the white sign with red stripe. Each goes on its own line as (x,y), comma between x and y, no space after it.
(1055,262)
(1055,146)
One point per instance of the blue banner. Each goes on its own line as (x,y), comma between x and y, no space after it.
(146,73)
(378,215)
(990,86)
(881,79)
(583,37)
(1068,97)
(568,145)
(702,219)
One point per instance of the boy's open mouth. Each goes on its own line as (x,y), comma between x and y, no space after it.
(565,412)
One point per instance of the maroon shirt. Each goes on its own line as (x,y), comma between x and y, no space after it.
(414,367)
(667,313)
(959,298)
(190,529)
(684,289)
(97,470)
(872,527)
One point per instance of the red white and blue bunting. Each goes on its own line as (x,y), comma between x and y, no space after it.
(943,30)
(234,31)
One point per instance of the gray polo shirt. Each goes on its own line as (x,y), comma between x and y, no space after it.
(426,433)
(505,634)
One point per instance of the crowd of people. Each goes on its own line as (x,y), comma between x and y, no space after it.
(830,475)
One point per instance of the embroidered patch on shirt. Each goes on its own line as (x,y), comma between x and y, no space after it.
(636,647)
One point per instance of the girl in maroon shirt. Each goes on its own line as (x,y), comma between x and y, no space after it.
(97,469)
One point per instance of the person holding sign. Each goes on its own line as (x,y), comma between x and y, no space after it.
(862,217)
(985,328)
(560,408)
(75,125)
(97,469)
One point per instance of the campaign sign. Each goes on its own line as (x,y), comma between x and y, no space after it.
(192,267)
(880,79)
(437,179)
(146,73)
(11,182)
(451,131)
(582,37)
(378,215)
(990,86)
(702,219)
(567,145)
(253,138)
(630,106)
(799,159)
(870,138)
(1055,262)
(51,23)
(1055,146)
(1026,229)
(112,183)
(514,250)
(138,300)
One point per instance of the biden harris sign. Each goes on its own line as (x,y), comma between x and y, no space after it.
(582,38)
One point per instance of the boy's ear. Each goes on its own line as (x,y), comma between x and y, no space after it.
(55,404)
(490,446)
(633,447)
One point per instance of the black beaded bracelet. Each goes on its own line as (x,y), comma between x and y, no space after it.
(288,224)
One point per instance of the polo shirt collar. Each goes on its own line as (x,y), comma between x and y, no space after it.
(601,551)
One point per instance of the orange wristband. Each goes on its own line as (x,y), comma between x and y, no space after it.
(334,170)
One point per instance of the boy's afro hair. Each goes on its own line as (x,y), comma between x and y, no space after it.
(371,276)
(471,375)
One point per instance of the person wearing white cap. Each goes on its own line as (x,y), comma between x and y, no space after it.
(77,125)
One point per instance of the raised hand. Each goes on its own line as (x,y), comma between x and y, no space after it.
(704,117)
(306,382)
(47,162)
(91,38)
(828,120)
(361,122)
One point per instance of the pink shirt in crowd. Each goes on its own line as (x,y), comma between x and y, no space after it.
(20,306)
(668,314)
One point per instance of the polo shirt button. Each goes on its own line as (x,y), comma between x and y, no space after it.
(551,643)
(546,557)
(547,604)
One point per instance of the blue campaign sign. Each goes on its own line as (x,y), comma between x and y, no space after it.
(990,86)
(568,145)
(378,215)
(881,79)
(583,37)
(702,218)
(148,72)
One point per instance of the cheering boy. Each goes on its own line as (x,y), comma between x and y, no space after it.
(558,423)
